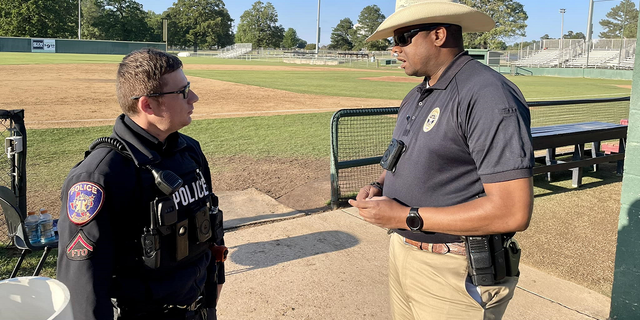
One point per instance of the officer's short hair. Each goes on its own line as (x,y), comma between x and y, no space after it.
(139,74)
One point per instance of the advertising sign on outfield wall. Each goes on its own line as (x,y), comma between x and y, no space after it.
(43,45)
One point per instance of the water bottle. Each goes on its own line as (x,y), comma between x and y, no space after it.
(46,227)
(31,223)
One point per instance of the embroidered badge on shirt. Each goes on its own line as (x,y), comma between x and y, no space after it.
(84,201)
(80,247)
(431,120)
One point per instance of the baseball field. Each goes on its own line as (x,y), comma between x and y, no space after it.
(266,125)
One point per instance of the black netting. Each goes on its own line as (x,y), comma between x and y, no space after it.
(543,114)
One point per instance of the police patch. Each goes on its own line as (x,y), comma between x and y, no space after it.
(431,120)
(84,201)
(80,247)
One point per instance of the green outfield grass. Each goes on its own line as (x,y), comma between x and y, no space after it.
(53,152)
(345,83)
(342,83)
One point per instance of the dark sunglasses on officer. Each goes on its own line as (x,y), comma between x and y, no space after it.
(402,37)
(184,91)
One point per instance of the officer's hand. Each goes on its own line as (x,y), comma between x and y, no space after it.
(382,211)
(368,192)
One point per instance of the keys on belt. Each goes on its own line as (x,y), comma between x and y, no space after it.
(441,248)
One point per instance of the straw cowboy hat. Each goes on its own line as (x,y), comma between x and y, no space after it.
(415,12)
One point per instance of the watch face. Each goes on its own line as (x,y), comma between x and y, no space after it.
(414,222)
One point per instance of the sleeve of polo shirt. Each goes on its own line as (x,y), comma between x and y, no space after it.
(497,123)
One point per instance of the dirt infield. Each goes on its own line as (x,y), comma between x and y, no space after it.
(56,96)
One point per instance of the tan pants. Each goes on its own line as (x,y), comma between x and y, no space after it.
(425,285)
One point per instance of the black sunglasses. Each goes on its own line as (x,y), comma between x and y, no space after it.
(184,91)
(403,38)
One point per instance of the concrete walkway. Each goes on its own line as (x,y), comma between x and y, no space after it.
(333,265)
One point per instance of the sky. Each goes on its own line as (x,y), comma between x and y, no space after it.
(301,15)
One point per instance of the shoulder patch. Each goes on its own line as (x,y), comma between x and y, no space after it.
(84,201)
(80,247)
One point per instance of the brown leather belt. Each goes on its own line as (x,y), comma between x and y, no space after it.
(441,248)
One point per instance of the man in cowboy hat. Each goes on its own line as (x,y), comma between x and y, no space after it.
(458,171)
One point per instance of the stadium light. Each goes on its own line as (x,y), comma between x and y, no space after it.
(318,30)
(590,28)
(562,11)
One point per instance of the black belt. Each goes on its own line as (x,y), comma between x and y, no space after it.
(168,311)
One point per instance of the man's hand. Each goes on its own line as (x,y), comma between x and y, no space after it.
(382,211)
(368,192)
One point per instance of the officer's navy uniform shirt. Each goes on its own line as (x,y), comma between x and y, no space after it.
(101,258)
(471,127)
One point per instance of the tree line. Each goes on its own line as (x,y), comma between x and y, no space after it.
(207,24)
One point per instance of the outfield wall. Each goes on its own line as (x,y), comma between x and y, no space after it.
(568,72)
(74,46)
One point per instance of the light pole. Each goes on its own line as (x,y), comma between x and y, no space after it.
(590,28)
(318,30)
(624,17)
(79,1)
(562,11)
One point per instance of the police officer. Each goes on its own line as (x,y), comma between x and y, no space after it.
(139,226)
(459,169)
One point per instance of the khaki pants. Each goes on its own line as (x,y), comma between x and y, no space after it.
(425,285)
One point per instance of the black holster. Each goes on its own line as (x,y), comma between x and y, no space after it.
(492,258)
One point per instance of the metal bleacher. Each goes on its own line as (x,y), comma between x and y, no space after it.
(235,50)
(572,53)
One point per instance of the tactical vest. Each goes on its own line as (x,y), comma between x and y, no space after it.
(184,219)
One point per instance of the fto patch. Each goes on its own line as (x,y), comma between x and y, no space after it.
(80,247)
(84,201)
(431,120)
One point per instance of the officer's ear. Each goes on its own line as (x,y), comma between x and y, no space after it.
(147,105)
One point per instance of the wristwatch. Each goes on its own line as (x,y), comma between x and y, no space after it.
(414,220)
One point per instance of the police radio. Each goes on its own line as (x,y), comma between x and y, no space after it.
(151,244)
(486,258)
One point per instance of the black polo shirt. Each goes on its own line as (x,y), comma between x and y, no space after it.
(469,128)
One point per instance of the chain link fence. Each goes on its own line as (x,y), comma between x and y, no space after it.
(13,163)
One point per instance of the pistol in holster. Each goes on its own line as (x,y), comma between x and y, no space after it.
(492,258)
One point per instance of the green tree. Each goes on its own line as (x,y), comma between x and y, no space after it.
(259,26)
(545,37)
(291,39)
(154,21)
(124,20)
(341,36)
(368,21)
(199,23)
(624,16)
(92,12)
(510,19)
(310,46)
(571,35)
(301,44)
(39,18)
